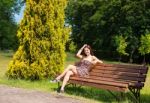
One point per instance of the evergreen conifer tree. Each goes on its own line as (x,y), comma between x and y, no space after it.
(42,36)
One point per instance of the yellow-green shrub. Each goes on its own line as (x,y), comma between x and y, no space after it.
(42,38)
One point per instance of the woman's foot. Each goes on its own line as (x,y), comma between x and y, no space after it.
(54,81)
(59,90)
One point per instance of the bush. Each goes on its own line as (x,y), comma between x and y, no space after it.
(42,38)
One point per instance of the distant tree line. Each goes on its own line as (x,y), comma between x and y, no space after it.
(114,28)
(8,26)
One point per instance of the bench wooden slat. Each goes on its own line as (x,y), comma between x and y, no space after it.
(99,82)
(113,69)
(118,73)
(115,76)
(99,79)
(121,65)
(131,83)
(101,86)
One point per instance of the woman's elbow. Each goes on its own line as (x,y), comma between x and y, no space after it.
(77,56)
(99,61)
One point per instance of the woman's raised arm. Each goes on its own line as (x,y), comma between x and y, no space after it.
(79,52)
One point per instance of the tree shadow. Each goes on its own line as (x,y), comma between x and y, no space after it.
(102,95)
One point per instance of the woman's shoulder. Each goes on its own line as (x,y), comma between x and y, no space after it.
(93,56)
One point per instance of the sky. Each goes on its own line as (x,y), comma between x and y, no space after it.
(19,16)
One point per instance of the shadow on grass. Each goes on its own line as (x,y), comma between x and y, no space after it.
(145,98)
(91,93)
(103,95)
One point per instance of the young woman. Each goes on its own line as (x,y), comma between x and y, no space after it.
(87,59)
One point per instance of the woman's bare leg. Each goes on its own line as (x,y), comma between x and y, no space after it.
(69,67)
(66,78)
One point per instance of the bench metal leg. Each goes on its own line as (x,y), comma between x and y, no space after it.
(66,85)
(116,97)
(136,94)
(58,84)
(75,85)
(122,96)
(58,88)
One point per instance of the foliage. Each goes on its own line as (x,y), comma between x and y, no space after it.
(96,22)
(42,38)
(133,44)
(145,44)
(71,46)
(121,44)
(8,27)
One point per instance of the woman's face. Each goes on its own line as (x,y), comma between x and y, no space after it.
(87,51)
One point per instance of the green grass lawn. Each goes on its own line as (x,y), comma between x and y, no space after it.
(88,94)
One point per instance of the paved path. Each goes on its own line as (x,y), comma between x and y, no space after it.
(18,95)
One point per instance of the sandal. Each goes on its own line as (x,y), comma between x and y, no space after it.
(54,81)
(60,91)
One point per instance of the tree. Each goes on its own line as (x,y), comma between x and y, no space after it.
(42,38)
(8,27)
(96,22)
(133,46)
(121,44)
(144,45)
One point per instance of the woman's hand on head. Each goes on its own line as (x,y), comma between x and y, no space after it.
(84,45)
(78,55)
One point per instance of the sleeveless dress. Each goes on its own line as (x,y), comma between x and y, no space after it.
(83,67)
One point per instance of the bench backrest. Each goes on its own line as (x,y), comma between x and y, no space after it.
(134,75)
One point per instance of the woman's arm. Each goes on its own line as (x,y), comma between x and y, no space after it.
(96,60)
(79,52)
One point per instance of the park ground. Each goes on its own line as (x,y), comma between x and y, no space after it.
(19,95)
(24,91)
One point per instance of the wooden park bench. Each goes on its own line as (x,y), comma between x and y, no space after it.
(115,77)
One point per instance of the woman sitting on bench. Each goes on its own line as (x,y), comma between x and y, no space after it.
(81,68)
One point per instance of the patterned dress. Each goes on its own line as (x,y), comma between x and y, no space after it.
(83,67)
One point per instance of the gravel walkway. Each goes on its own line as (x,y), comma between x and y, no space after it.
(18,95)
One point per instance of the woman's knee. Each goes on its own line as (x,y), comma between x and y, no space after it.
(74,70)
(70,66)
(69,73)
